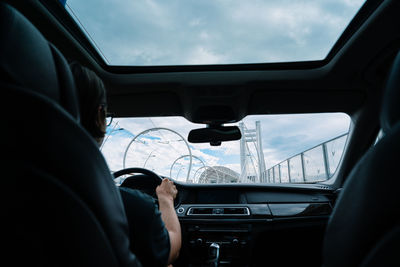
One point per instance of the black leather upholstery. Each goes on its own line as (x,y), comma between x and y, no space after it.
(390,115)
(363,229)
(386,251)
(62,206)
(28,60)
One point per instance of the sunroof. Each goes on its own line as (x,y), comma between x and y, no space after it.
(192,32)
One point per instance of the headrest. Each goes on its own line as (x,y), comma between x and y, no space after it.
(28,60)
(390,114)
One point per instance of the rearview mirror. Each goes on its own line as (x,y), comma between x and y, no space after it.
(215,135)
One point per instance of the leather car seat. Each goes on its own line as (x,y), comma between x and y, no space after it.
(60,206)
(364,229)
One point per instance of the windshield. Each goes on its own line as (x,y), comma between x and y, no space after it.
(187,32)
(300,148)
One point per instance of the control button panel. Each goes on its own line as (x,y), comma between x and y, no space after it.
(180,210)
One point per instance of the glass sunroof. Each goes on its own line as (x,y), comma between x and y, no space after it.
(192,32)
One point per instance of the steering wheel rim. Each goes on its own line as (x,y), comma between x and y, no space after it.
(156,178)
(153,175)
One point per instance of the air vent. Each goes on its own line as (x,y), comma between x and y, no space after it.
(219,211)
(324,186)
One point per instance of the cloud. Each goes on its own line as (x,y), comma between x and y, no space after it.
(283,136)
(156,32)
(235,167)
(203,55)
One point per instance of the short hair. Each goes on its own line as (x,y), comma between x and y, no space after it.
(92,94)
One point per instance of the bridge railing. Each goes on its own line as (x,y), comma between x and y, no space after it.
(316,164)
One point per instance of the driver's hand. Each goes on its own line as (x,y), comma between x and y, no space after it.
(166,190)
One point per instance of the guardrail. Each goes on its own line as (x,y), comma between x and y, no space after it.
(316,164)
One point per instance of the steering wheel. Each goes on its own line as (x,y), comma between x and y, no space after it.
(140,182)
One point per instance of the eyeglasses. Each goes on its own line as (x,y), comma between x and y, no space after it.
(109,118)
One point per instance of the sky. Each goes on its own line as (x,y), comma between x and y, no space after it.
(190,32)
(282,136)
(176,32)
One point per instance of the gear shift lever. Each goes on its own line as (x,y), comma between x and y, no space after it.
(213,254)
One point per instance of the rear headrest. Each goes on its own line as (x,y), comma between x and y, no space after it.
(28,60)
(390,114)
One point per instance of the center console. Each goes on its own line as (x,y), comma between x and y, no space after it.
(234,243)
(231,228)
(207,226)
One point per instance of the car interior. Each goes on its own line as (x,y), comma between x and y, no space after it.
(61,205)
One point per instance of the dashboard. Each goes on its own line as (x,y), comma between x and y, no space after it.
(251,224)
(246,221)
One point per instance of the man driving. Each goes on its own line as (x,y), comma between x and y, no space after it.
(154,230)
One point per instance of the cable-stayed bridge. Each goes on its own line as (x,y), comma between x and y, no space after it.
(315,164)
